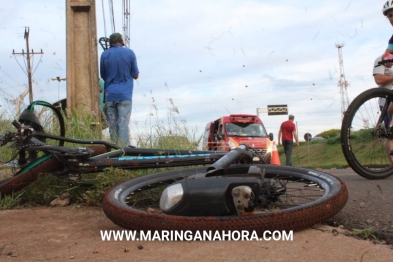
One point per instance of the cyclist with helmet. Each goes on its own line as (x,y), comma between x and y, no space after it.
(383,74)
(387,11)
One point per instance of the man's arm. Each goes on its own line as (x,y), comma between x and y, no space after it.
(279,137)
(295,136)
(383,79)
(102,68)
(134,65)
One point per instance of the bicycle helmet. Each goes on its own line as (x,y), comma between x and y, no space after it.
(387,6)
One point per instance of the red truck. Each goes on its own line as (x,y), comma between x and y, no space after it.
(229,132)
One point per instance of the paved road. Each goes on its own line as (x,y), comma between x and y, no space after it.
(370,203)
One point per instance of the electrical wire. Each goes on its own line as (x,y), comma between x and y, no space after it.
(103,14)
(112,16)
(9,77)
(37,64)
(24,70)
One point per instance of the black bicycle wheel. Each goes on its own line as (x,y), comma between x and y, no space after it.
(310,197)
(42,117)
(51,120)
(365,141)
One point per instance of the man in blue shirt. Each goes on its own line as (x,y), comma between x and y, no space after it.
(118,69)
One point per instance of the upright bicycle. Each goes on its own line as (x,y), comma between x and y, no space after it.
(367,134)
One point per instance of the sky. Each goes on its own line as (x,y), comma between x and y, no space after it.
(200,60)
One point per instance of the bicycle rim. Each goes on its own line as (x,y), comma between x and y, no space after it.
(52,121)
(364,138)
(311,197)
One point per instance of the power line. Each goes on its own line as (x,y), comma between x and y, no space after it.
(9,76)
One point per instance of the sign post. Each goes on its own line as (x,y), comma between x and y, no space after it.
(261,110)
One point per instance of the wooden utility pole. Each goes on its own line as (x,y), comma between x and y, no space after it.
(28,56)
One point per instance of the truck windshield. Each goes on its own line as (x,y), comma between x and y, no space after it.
(245,129)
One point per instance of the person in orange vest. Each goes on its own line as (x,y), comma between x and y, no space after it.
(288,133)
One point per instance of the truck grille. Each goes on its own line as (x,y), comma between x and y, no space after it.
(261,151)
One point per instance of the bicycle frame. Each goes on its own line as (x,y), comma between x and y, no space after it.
(80,160)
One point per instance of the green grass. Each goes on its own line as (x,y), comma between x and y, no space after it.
(367,233)
(317,154)
(328,153)
(91,192)
(10,201)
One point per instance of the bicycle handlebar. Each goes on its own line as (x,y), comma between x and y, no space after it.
(383,62)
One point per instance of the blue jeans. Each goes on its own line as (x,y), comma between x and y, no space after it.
(118,115)
(288,151)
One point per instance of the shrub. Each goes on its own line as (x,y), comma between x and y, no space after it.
(330,133)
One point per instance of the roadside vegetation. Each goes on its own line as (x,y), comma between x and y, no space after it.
(323,154)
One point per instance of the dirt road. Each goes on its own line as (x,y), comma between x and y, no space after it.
(73,234)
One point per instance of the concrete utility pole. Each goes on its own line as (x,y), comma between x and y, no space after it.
(82,61)
(28,56)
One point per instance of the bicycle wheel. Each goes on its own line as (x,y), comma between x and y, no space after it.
(302,205)
(46,118)
(365,142)
(42,117)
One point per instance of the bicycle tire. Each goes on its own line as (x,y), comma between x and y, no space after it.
(333,200)
(358,130)
(28,174)
(45,165)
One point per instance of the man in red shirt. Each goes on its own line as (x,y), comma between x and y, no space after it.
(288,132)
